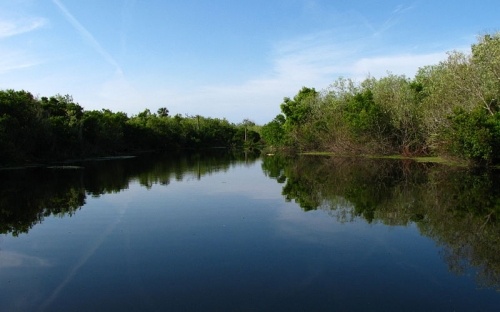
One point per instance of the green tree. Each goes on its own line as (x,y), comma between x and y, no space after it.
(22,134)
(273,132)
(400,100)
(474,135)
(162,112)
(297,110)
(64,118)
(365,117)
(246,123)
(104,131)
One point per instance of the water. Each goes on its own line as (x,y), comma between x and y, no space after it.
(241,233)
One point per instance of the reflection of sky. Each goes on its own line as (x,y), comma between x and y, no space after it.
(239,179)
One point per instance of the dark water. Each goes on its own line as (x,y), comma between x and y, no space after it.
(230,232)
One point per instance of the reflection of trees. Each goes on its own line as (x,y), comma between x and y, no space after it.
(457,207)
(273,167)
(464,221)
(161,168)
(158,168)
(27,196)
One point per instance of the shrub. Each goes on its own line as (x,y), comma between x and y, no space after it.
(474,135)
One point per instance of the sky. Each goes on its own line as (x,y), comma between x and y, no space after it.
(232,59)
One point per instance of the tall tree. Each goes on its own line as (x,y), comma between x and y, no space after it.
(162,112)
(247,123)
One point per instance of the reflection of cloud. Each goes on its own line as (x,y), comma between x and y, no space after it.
(10,28)
(17,260)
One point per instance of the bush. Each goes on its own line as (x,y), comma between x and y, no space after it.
(365,117)
(473,136)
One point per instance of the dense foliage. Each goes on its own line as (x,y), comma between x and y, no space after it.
(34,129)
(450,109)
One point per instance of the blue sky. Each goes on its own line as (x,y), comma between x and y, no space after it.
(222,58)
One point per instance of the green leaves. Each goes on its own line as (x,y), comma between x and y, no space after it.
(395,114)
(57,128)
(273,132)
(298,110)
(473,135)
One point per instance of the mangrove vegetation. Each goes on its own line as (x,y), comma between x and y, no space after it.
(449,110)
(56,128)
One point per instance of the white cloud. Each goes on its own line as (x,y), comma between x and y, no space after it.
(401,9)
(402,64)
(15,59)
(352,48)
(10,28)
(312,61)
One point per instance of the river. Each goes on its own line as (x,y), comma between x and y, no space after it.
(223,231)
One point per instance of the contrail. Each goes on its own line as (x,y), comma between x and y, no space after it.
(87,35)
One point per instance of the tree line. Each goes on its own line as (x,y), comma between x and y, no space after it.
(38,129)
(450,109)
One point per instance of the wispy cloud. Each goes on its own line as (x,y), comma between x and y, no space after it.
(352,47)
(15,24)
(402,8)
(319,59)
(403,64)
(14,59)
(316,61)
(394,19)
(391,21)
(11,27)
(87,36)
(126,21)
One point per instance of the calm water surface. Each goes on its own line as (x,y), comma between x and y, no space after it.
(241,233)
